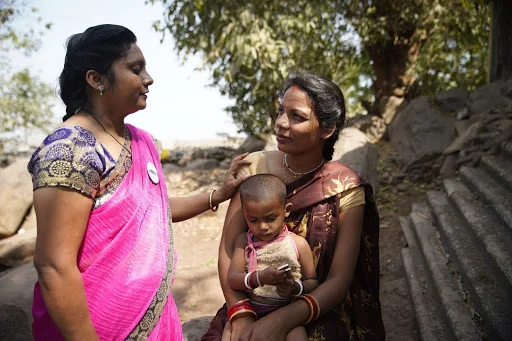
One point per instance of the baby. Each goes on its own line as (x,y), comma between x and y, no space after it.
(270,263)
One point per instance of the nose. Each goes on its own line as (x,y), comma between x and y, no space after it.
(282,122)
(148,80)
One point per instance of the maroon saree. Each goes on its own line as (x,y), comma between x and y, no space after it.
(314,215)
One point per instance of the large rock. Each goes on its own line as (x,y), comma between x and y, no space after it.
(19,248)
(489,97)
(15,196)
(420,133)
(194,329)
(252,144)
(354,150)
(202,164)
(452,100)
(372,126)
(16,291)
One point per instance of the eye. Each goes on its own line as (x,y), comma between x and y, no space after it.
(137,69)
(270,219)
(280,111)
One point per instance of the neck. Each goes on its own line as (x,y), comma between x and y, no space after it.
(112,123)
(304,162)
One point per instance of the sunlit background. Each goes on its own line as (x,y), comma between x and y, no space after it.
(181,107)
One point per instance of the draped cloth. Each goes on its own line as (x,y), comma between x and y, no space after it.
(314,202)
(126,259)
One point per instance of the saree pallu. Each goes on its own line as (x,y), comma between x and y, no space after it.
(314,211)
(126,259)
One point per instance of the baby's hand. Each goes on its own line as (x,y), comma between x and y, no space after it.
(272,276)
(288,287)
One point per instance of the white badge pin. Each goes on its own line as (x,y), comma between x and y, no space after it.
(153,174)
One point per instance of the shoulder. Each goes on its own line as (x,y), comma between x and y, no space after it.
(299,241)
(70,156)
(258,164)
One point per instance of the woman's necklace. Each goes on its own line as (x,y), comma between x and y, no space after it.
(299,174)
(101,125)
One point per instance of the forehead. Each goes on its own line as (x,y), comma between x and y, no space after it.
(134,54)
(262,208)
(297,97)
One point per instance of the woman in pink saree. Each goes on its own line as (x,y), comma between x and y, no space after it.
(104,250)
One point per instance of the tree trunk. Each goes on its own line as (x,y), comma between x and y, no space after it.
(392,64)
(501,41)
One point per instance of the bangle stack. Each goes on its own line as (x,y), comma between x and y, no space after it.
(212,208)
(249,282)
(241,307)
(314,308)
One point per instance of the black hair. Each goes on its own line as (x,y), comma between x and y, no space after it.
(327,102)
(263,187)
(94,49)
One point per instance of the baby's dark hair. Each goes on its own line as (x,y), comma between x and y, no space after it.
(262,187)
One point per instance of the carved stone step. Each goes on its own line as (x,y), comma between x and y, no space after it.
(488,287)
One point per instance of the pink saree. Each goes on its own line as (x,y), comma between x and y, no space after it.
(127,259)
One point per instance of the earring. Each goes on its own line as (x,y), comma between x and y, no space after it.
(101,88)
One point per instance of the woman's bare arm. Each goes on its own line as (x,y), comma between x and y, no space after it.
(187,207)
(62,216)
(234,225)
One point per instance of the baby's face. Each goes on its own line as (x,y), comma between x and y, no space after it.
(265,219)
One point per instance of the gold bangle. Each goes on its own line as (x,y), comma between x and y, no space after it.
(212,208)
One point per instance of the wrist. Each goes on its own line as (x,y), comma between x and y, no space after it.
(218,197)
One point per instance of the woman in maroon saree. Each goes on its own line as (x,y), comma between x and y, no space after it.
(331,207)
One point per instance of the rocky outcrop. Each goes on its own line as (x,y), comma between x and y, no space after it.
(420,133)
(452,100)
(19,248)
(17,286)
(194,329)
(458,255)
(354,150)
(15,196)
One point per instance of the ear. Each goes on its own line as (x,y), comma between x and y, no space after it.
(327,132)
(94,79)
(287,209)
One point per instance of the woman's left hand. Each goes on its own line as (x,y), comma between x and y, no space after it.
(231,183)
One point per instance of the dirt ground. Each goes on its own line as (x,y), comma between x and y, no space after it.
(197,289)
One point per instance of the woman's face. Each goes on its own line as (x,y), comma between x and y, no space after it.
(297,127)
(128,93)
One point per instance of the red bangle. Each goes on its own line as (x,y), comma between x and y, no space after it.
(242,307)
(314,308)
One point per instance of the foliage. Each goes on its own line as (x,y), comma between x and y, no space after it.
(369,48)
(25,101)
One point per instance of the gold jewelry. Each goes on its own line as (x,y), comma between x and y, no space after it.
(212,208)
(299,174)
(101,125)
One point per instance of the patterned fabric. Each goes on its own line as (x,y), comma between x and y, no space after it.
(315,210)
(127,258)
(73,157)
